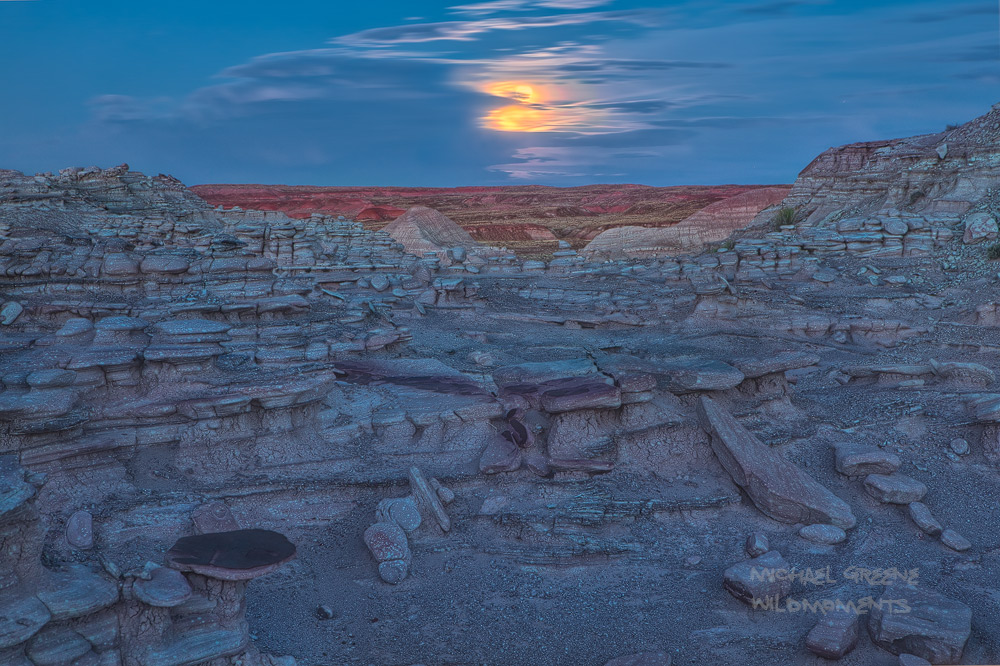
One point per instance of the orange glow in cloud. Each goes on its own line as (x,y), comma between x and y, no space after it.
(526,115)
(517,118)
(519,92)
(534,110)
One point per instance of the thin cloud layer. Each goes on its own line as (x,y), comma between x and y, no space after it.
(467,31)
(550,91)
(497,6)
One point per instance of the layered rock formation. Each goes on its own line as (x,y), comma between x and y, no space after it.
(941,175)
(714,223)
(487,458)
(90,613)
(423,231)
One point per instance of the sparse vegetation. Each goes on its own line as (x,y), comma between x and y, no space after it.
(951,127)
(993,252)
(782,218)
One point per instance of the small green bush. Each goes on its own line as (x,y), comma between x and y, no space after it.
(993,252)
(782,218)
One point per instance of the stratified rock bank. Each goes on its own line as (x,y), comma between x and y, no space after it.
(477,458)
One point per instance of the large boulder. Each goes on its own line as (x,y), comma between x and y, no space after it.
(978,227)
(921,622)
(777,487)
(761,580)
(834,635)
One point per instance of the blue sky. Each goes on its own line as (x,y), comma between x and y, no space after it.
(466,92)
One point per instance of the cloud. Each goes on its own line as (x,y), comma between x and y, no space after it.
(497,6)
(625,65)
(469,30)
(636,106)
(265,83)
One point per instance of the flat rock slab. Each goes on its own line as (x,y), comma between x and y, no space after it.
(544,371)
(955,541)
(423,374)
(924,519)
(197,647)
(579,393)
(894,489)
(56,646)
(777,487)
(21,617)
(76,592)
(191,327)
(936,628)
(759,579)
(823,534)
(628,375)
(14,490)
(752,368)
(236,555)
(697,374)
(860,460)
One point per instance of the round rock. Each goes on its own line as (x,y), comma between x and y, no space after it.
(165,588)
(80,530)
(387,541)
(404,512)
(823,534)
(393,571)
(400,510)
(895,226)
(757,544)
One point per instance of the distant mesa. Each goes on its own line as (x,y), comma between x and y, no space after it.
(421,230)
(711,224)
(379,214)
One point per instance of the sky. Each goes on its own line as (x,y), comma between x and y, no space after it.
(482,92)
